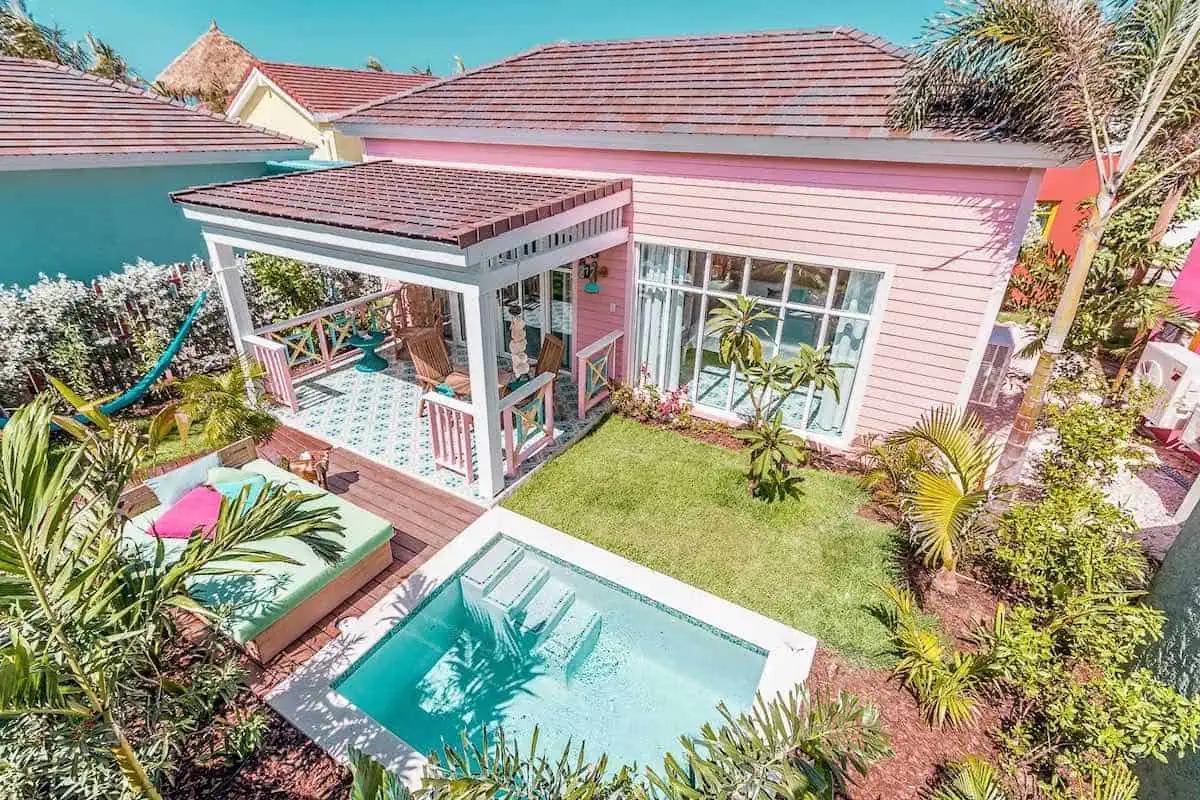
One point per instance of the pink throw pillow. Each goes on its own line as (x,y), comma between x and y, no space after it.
(199,508)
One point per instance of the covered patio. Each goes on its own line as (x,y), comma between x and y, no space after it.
(496,253)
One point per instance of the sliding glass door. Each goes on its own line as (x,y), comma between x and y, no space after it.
(813,305)
(544,302)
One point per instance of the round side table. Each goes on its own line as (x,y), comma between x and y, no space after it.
(367,342)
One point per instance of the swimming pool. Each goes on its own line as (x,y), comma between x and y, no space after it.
(519,625)
(520,639)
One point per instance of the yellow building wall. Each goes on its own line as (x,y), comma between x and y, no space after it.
(268,109)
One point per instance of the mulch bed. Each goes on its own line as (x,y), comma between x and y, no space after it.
(288,766)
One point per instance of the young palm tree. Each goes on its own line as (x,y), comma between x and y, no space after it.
(374,64)
(1088,77)
(24,37)
(944,499)
(219,404)
(81,617)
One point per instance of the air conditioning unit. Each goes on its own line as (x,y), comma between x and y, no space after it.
(994,367)
(1175,370)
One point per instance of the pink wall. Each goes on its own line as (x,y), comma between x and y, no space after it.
(947,231)
(1187,285)
(601,313)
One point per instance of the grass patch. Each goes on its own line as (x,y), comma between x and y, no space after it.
(681,507)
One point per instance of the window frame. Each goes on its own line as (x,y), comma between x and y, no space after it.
(780,307)
(1052,207)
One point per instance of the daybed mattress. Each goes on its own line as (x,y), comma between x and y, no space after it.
(260,600)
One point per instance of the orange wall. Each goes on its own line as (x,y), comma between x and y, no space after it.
(1067,187)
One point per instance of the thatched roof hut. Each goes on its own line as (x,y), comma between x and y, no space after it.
(213,60)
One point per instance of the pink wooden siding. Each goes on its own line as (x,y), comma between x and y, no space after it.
(595,314)
(946,230)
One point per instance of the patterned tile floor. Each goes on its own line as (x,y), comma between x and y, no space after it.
(374,414)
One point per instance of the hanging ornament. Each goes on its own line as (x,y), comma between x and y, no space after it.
(516,348)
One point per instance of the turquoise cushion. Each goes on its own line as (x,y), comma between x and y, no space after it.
(231,489)
(444,388)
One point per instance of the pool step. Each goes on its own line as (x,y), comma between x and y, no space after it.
(545,608)
(491,567)
(522,580)
(571,641)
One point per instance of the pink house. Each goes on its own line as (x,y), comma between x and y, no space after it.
(758,164)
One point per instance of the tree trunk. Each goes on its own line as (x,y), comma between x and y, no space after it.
(1013,458)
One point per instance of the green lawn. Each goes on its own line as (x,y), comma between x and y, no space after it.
(681,507)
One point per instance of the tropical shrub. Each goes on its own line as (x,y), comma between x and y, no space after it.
(944,500)
(973,779)
(1095,439)
(890,469)
(946,684)
(220,405)
(290,287)
(739,325)
(244,737)
(645,402)
(774,453)
(86,619)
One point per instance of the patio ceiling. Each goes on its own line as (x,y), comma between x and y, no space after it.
(437,225)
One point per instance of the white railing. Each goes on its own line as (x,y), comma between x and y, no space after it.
(451,429)
(596,371)
(319,340)
(527,419)
(278,379)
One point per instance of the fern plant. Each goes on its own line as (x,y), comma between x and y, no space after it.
(222,407)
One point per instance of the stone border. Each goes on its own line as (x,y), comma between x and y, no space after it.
(308,700)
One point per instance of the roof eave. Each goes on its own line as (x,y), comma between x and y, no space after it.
(917,149)
(109,160)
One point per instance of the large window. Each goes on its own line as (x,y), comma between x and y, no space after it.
(814,305)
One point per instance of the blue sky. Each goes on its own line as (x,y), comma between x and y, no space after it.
(403,33)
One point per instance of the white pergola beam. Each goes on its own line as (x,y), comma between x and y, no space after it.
(508,240)
(233,297)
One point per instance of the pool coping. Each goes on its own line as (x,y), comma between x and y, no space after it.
(307,699)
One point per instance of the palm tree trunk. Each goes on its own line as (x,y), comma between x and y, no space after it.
(1013,458)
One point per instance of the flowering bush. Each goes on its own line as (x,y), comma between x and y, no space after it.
(647,403)
(100,339)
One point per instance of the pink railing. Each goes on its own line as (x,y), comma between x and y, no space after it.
(596,370)
(317,341)
(278,378)
(451,429)
(527,419)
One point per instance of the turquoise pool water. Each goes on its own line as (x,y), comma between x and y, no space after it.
(517,638)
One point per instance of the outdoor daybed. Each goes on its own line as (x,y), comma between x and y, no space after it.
(275,607)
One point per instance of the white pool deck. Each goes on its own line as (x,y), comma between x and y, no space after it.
(308,700)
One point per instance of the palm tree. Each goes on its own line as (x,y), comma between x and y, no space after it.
(425,70)
(374,64)
(944,498)
(24,37)
(1085,76)
(83,618)
(219,403)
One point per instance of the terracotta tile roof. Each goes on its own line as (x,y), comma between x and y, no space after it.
(332,90)
(50,110)
(444,204)
(826,82)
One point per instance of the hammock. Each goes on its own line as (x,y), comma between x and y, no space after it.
(135,392)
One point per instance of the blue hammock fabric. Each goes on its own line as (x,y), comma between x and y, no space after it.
(135,392)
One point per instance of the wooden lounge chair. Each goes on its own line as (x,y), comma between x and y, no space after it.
(275,604)
(432,362)
(550,356)
(415,312)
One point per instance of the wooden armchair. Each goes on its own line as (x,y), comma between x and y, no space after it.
(432,362)
(415,312)
(550,356)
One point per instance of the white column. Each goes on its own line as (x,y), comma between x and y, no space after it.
(233,297)
(480,312)
(456,320)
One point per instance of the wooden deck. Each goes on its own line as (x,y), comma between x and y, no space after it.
(423,519)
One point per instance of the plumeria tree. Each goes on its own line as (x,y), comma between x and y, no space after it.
(1118,81)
